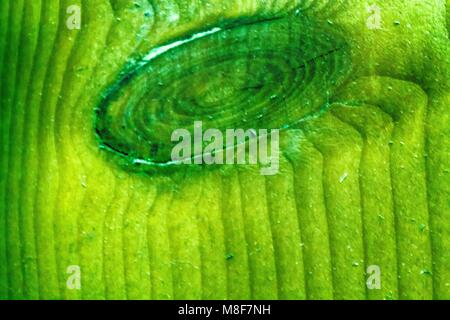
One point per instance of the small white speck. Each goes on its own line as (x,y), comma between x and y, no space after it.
(174,17)
(343,177)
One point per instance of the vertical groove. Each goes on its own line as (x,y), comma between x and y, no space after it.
(4,43)
(12,224)
(286,233)
(376,128)
(340,146)
(261,253)
(47,34)
(307,164)
(28,56)
(239,286)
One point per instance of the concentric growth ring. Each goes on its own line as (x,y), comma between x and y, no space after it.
(268,74)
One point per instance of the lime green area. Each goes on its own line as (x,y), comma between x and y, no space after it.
(364,182)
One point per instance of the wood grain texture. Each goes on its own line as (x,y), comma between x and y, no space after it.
(365,183)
